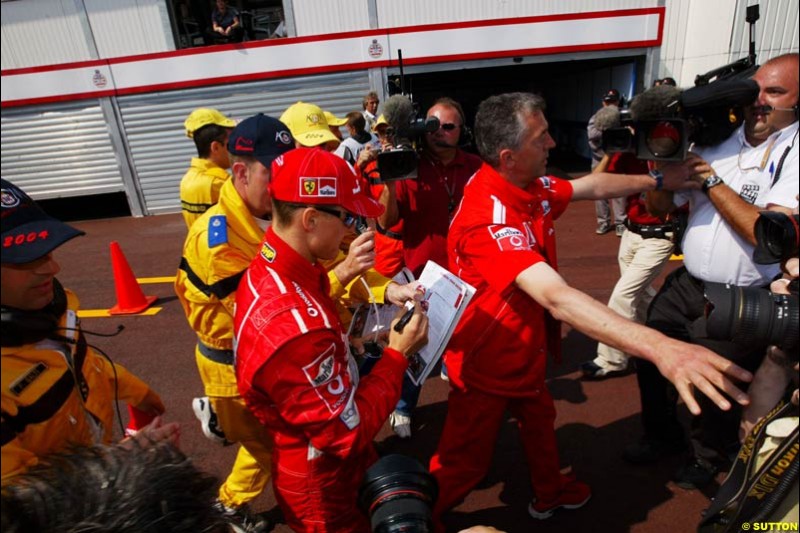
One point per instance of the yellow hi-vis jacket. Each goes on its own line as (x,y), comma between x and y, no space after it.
(214,260)
(50,403)
(200,188)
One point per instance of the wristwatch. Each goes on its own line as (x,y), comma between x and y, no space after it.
(712,181)
(659,177)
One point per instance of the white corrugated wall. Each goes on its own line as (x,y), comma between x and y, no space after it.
(44,32)
(59,150)
(49,32)
(130,27)
(776,31)
(153,123)
(700,35)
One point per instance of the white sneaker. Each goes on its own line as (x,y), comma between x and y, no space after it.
(208,420)
(401,424)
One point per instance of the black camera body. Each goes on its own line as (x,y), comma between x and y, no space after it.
(663,122)
(402,160)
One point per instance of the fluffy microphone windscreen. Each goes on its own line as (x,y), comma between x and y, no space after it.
(398,111)
(655,103)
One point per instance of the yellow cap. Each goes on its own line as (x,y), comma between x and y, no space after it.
(308,124)
(333,120)
(203,117)
(381,120)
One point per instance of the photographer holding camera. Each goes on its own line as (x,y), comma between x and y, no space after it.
(756,168)
(777,370)
(426,205)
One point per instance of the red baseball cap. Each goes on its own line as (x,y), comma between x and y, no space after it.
(315,176)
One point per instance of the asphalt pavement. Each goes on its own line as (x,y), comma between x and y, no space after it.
(595,418)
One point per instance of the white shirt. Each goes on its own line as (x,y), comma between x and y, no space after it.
(351,148)
(713,251)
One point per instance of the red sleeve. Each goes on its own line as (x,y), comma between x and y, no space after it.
(560,196)
(625,163)
(316,390)
(499,252)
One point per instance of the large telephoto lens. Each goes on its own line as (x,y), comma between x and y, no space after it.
(751,316)
(398,494)
(777,237)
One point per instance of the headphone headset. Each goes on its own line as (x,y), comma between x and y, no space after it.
(20,326)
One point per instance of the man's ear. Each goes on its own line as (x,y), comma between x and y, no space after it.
(239,171)
(310,219)
(507,158)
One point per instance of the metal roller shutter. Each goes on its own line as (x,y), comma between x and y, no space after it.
(59,150)
(160,150)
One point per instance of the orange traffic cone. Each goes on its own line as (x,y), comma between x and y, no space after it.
(130,298)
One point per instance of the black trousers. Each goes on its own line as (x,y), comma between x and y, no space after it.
(678,312)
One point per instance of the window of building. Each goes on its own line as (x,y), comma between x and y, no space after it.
(192,23)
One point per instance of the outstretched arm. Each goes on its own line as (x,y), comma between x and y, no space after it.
(687,366)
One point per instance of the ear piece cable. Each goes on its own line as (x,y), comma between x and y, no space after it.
(120,327)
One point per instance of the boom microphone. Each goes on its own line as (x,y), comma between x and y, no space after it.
(659,102)
(767,109)
(398,112)
(607,117)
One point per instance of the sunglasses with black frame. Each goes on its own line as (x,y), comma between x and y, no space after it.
(348,219)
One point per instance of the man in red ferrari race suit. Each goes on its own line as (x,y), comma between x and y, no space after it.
(293,366)
(502,242)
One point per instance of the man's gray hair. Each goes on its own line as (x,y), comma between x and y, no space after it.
(500,123)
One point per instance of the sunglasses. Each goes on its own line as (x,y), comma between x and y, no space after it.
(449,126)
(348,219)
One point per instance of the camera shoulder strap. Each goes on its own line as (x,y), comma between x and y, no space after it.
(742,496)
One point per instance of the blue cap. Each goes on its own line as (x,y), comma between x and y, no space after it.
(29,233)
(262,137)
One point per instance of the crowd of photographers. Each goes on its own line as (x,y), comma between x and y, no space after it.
(307,226)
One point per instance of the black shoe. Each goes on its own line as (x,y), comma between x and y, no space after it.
(648,451)
(695,474)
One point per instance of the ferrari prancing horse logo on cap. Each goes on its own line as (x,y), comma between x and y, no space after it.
(318,187)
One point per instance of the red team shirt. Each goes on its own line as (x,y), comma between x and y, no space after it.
(423,205)
(498,231)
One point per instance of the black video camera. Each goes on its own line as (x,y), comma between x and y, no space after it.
(664,121)
(402,160)
(753,316)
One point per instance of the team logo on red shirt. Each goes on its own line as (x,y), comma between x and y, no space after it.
(268,252)
(509,239)
(330,379)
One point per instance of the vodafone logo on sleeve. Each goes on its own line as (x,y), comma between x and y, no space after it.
(509,239)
